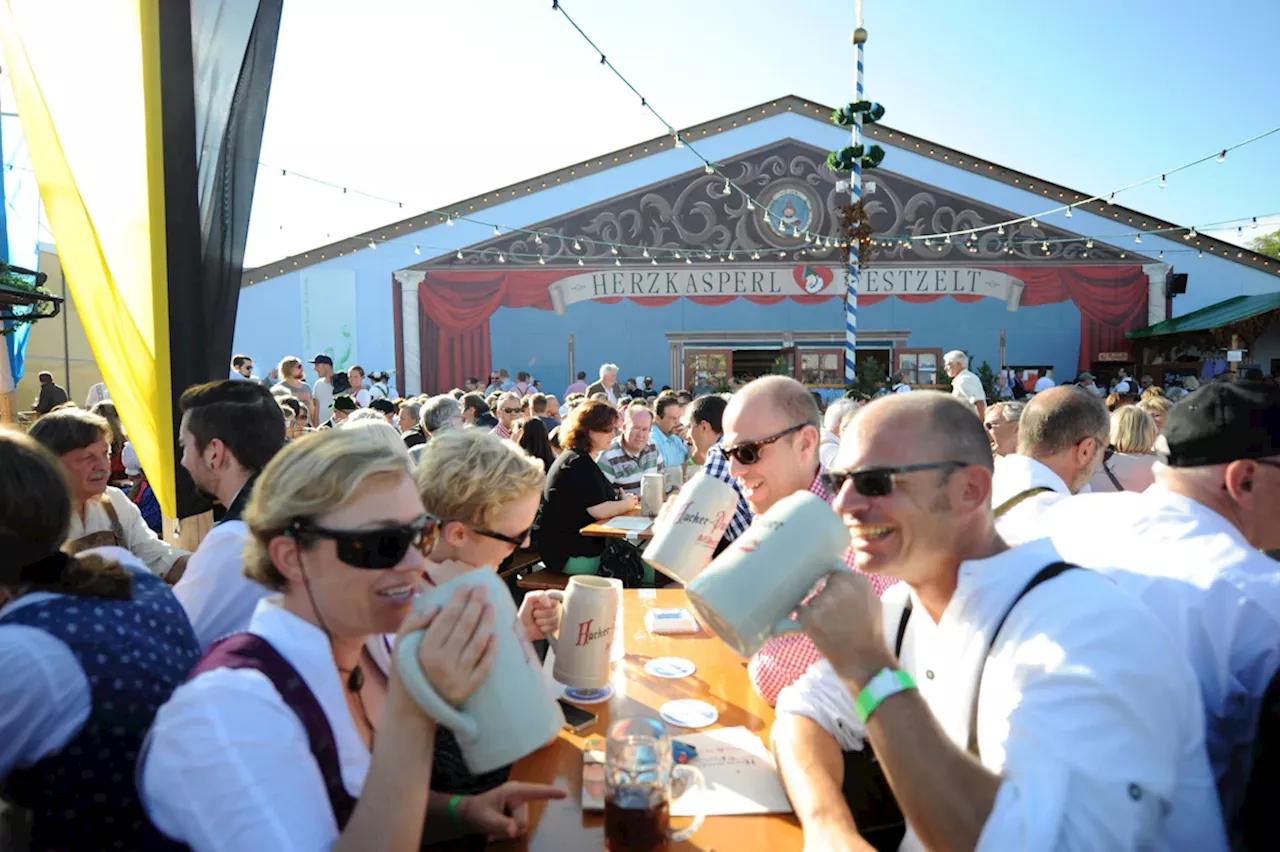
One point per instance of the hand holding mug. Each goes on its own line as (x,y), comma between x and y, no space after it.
(846,623)
(540,614)
(458,648)
(632,501)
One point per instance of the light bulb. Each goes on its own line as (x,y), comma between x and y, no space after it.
(417,250)
(808,238)
(577,246)
(617,263)
(755,255)
(542,260)
(373,245)
(1161,255)
(1088,244)
(928,244)
(677,255)
(1193,232)
(1222,158)
(497,232)
(654,261)
(1068,212)
(1122,255)
(1044,245)
(1188,234)
(731,255)
(679,141)
(1138,239)
(613,250)
(1163,184)
(688,260)
(708,169)
(1111,199)
(727,189)
(751,205)
(722,258)
(947,239)
(645,253)
(449,221)
(580,263)
(1034,223)
(1200,253)
(782,255)
(973,235)
(537,239)
(459,254)
(1000,231)
(706,255)
(502,258)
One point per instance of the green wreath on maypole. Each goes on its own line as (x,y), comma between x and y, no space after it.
(869,156)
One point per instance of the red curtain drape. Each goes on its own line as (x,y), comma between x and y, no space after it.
(456,307)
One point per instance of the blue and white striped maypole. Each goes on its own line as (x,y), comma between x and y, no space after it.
(855,192)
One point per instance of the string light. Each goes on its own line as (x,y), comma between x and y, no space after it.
(577,246)
(537,239)
(417,250)
(502,258)
(542,261)
(654,261)
(449,221)
(1034,223)
(1068,212)
(497,232)
(727,190)
(1138,239)
(646,253)
(1111,199)
(1163,184)
(678,141)
(459,255)
(373,245)
(613,250)
(709,169)
(617,263)
(580,263)
(1222,158)
(688,260)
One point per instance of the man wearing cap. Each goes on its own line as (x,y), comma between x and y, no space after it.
(322,390)
(1190,547)
(343,405)
(1086,380)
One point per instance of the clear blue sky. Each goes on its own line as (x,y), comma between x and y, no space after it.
(432,101)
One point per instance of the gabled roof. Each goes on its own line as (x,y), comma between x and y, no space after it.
(1054,194)
(1221,314)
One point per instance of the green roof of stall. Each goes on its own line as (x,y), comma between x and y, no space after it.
(1215,316)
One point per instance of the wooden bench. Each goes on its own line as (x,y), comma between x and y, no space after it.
(521,560)
(542,580)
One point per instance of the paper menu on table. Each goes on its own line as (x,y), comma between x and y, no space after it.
(628,523)
(741,776)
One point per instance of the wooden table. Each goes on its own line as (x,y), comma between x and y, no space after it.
(720,680)
(598,529)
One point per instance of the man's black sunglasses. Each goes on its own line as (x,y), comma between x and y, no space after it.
(377,549)
(877,481)
(748,452)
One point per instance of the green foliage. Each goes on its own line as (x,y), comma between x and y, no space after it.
(988,377)
(843,160)
(1268,244)
(847,115)
(870,378)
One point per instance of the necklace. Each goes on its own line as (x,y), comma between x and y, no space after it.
(355,678)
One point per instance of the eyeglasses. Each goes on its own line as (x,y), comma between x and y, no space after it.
(748,452)
(518,539)
(377,549)
(877,481)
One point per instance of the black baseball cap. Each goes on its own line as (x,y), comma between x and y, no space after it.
(322,359)
(1223,422)
(344,402)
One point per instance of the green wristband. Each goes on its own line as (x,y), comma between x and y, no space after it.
(454,816)
(886,682)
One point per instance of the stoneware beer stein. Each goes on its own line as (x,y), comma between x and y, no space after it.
(588,629)
(619,649)
(514,712)
(652,492)
(749,592)
(686,537)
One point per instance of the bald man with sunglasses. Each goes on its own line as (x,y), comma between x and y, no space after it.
(772,431)
(1011,701)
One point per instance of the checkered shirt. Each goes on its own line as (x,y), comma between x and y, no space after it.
(782,659)
(718,466)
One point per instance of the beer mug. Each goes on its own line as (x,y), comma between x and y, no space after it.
(652,494)
(588,631)
(639,770)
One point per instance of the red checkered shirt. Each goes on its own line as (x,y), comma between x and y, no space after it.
(501,432)
(782,659)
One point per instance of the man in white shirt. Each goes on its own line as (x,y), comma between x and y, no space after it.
(242,368)
(1056,716)
(101,516)
(229,431)
(1189,547)
(965,386)
(322,390)
(837,414)
(1062,435)
(1043,384)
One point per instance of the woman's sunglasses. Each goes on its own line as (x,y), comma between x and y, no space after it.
(378,549)
(518,539)
(876,481)
(748,452)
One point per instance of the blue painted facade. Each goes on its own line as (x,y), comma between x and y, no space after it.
(268,325)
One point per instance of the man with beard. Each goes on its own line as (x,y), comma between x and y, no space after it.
(103,516)
(229,431)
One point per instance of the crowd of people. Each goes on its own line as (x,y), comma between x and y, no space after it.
(1059,629)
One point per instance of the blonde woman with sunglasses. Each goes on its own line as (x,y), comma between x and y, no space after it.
(289,736)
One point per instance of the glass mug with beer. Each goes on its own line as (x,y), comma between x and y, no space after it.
(639,769)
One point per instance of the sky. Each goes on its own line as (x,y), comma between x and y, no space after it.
(428,102)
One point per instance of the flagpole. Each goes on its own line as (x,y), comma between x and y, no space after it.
(855,196)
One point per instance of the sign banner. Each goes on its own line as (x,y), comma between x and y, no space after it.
(800,280)
(329,316)
(905,281)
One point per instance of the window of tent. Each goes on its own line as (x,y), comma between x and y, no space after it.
(822,366)
(919,366)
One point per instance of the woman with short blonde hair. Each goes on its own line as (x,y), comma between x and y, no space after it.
(1128,464)
(305,705)
(1158,407)
(484,493)
(1133,430)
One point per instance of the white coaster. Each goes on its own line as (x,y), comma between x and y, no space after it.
(689,713)
(648,594)
(670,667)
(588,696)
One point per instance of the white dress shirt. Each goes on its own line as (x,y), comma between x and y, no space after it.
(1015,474)
(968,387)
(228,765)
(1087,710)
(218,597)
(828,449)
(158,555)
(44,694)
(1217,595)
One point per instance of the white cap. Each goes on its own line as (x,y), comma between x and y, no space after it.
(132,467)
